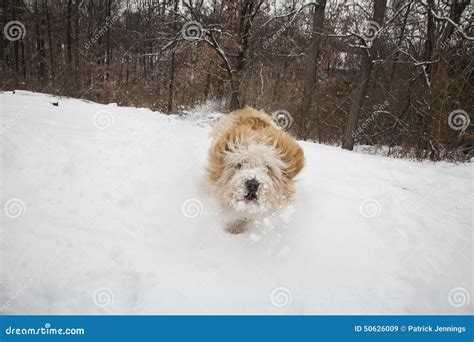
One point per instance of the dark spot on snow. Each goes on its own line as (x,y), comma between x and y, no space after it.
(402,187)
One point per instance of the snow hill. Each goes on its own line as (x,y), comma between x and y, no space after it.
(105,211)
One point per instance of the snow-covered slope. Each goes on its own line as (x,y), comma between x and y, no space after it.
(105,211)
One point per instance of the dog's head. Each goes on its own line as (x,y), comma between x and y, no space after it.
(254,169)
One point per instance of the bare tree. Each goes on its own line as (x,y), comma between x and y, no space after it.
(50,40)
(364,77)
(234,55)
(310,80)
(39,44)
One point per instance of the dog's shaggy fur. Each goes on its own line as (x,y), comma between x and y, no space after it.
(252,165)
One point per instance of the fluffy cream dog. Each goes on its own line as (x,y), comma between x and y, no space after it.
(252,164)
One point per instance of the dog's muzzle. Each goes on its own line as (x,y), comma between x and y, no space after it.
(252,186)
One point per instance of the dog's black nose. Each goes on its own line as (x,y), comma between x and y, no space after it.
(252,187)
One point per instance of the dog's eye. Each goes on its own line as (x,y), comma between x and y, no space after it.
(269,170)
(238,166)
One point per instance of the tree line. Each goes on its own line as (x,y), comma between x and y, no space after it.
(392,74)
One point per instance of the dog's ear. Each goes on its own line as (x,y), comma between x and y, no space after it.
(217,153)
(290,153)
(295,163)
(216,159)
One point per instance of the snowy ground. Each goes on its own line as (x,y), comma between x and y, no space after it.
(105,212)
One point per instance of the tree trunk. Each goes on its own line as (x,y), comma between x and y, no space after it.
(50,41)
(171,84)
(361,87)
(23,59)
(39,44)
(172,68)
(245,23)
(280,72)
(3,63)
(310,82)
(76,43)
(399,44)
(207,87)
(69,35)
(15,48)
(127,74)
(107,42)
(455,13)
(424,138)
(234,93)
(430,37)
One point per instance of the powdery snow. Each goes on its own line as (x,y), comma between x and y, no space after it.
(105,211)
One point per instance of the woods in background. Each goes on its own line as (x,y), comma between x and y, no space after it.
(397,73)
